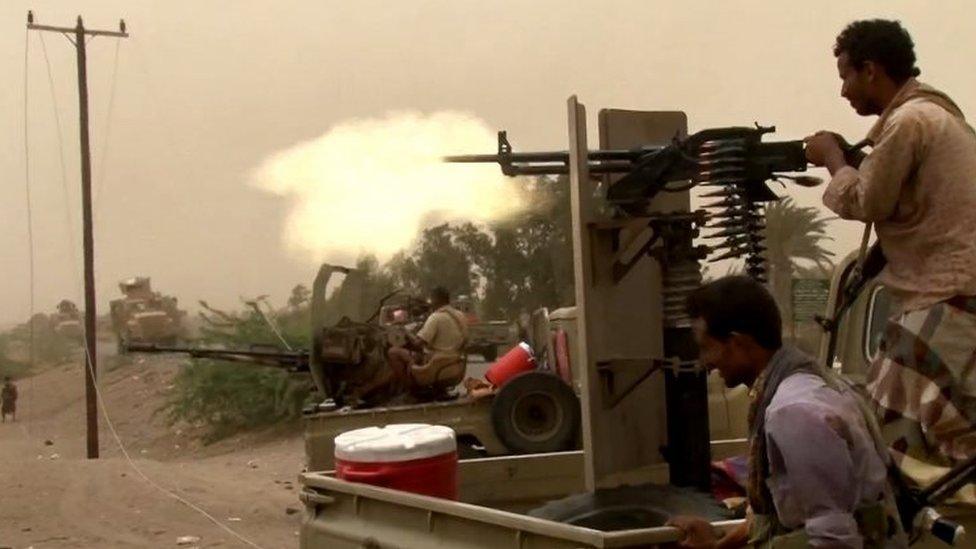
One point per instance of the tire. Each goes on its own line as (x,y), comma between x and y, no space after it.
(536,412)
(631,507)
(490,353)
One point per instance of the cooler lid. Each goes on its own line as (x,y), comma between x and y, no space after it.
(397,442)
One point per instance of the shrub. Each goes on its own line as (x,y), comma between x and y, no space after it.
(33,343)
(229,397)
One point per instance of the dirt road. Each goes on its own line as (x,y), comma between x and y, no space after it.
(52,496)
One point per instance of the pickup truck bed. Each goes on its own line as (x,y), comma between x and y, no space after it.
(495,494)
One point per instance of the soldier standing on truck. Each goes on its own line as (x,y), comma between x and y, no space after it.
(818,472)
(8,399)
(438,358)
(917,186)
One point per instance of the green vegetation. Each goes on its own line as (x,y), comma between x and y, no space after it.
(33,343)
(231,397)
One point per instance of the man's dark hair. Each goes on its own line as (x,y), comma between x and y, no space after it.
(886,43)
(440,294)
(738,304)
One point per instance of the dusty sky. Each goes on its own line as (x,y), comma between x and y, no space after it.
(206,90)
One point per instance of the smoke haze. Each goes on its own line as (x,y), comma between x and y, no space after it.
(209,93)
(370,186)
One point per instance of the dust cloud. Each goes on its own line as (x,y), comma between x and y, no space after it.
(371,185)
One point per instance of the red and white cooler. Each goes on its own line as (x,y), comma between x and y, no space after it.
(412,457)
(516,361)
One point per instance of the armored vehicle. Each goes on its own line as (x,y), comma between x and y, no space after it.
(67,321)
(145,316)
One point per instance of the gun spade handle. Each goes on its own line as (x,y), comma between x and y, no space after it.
(943,529)
(948,531)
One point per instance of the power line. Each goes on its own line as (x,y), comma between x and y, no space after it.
(70,227)
(100,172)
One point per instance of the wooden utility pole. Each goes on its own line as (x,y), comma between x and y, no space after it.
(81,34)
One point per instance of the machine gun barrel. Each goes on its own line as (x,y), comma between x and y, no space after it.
(293,361)
(618,161)
(718,155)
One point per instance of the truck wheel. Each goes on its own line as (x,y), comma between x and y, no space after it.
(536,412)
(490,353)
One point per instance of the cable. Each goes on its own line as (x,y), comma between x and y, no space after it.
(64,171)
(100,170)
(151,482)
(271,323)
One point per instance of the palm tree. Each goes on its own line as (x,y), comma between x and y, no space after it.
(794,234)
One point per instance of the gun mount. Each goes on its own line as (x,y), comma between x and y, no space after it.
(734,160)
(638,209)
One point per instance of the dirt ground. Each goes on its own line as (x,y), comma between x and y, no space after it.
(52,496)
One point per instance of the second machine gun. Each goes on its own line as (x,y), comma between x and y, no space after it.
(344,356)
(262,355)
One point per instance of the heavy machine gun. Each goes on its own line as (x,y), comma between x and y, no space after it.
(292,361)
(345,355)
(734,161)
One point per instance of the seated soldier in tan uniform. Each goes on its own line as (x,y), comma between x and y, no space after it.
(440,361)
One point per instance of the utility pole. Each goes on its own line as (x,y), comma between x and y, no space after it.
(81,34)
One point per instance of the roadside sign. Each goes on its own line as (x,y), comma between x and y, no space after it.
(809,298)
